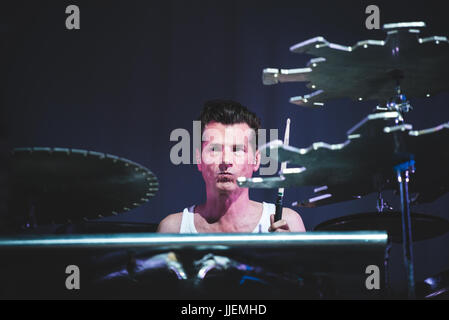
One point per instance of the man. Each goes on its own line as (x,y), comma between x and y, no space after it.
(228,151)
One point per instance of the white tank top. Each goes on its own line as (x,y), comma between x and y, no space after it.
(188,225)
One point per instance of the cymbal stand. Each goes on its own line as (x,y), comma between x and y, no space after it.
(382,204)
(381,207)
(405,166)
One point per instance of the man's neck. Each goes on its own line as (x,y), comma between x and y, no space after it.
(226,208)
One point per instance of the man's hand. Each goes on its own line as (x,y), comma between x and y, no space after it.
(278,226)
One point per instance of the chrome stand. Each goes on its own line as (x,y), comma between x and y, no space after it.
(402,171)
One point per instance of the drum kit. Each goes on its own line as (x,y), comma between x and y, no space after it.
(381,151)
(71,186)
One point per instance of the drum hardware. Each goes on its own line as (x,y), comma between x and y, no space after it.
(125,265)
(349,170)
(405,166)
(346,170)
(434,287)
(425,226)
(381,204)
(382,146)
(368,71)
(61,185)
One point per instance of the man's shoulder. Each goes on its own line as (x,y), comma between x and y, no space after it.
(171,223)
(285,211)
(294,219)
(289,212)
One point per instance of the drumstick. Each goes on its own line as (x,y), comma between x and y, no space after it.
(280,196)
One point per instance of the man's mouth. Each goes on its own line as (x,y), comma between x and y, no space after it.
(225,177)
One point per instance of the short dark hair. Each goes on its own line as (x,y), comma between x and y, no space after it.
(228,112)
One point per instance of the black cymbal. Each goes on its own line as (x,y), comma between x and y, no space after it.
(424,226)
(60,185)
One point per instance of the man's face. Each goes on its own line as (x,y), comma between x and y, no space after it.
(228,152)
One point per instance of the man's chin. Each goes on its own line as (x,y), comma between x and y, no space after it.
(227,186)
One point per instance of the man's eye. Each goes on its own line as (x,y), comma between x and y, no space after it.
(215,149)
(237,149)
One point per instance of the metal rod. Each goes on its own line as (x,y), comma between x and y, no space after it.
(197,241)
(400,103)
(407,244)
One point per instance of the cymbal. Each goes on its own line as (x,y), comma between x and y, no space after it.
(335,164)
(66,185)
(363,163)
(370,69)
(424,226)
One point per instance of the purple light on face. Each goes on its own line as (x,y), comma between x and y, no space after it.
(397,49)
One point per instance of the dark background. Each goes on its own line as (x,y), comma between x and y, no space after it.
(136,70)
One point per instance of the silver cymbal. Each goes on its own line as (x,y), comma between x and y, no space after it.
(370,69)
(350,169)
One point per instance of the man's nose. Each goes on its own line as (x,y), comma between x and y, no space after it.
(224,166)
(226,159)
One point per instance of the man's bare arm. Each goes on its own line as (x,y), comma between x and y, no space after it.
(291,222)
(170,224)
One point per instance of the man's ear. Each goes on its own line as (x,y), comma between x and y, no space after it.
(257,158)
(198,159)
